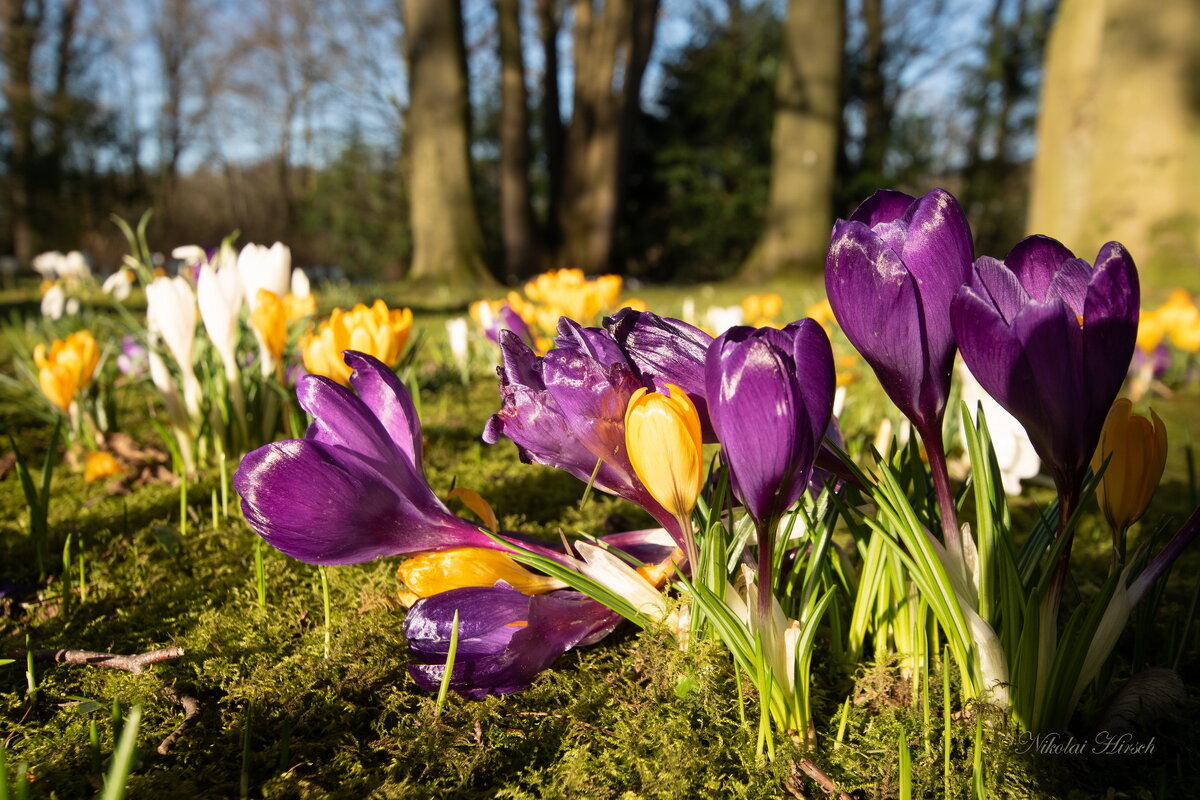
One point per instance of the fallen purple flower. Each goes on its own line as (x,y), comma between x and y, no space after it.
(505,638)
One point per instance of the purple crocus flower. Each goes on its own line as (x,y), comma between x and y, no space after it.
(1051,338)
(770,395)
(891,272)
(132,360)
(505,638)
(353,488)
(567,408)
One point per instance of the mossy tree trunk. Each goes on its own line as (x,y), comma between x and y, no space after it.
(804,142)
(447,240)
(1118,149)
(612,46)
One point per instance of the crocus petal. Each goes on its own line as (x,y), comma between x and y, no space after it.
(886,205)
(319,506)
(938,252)
(487,619)
(879,309)
(387,399)
(664,350)
(997,284)
(593,400)
(1035,260)
(595,343)
(1110,320)
(531,418)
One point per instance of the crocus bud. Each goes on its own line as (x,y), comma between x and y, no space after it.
(1136,449)
(662,437)
(428,574)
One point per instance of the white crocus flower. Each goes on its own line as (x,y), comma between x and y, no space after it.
(54,302)
(190,254)
(1014,452)
(301,287)
(688,311)
(171,313)
(161,377)
(119,284)
(267,268)
(74,267)
(219,292)
(458,332)
(615,574)
(47,264)
(779,635)
(719,319)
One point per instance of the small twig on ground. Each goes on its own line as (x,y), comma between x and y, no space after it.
(191,715)
(818,776)
(135,664)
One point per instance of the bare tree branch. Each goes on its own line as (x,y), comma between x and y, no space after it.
(135,664)
(191,715)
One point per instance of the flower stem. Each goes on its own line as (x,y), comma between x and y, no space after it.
(688,538)
(765,568)
(936,450)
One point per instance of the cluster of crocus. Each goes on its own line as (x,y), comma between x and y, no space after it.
(354,489)
(762,310)
(67,367)
(567,409)
(533,315)
(376,330)
(70,267)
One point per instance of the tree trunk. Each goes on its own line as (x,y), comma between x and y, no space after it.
(63,68)
(804,143)
(877,112)
(21,22)
(612,45)
(553,136)
(447,241)
(1118,152)
(516,213)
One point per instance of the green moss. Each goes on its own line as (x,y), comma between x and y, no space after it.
(633,717)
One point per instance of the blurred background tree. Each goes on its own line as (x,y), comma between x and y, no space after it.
(669,140)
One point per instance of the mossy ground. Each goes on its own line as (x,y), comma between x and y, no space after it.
(632,717)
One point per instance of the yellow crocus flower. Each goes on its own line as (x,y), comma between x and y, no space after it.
(376,330)
(760,310)
(1150,330)
(270,319)
(662,438)
(67,368)
(100,464)
(428,574)
(1136,449)
(298,306)
(1185,333)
